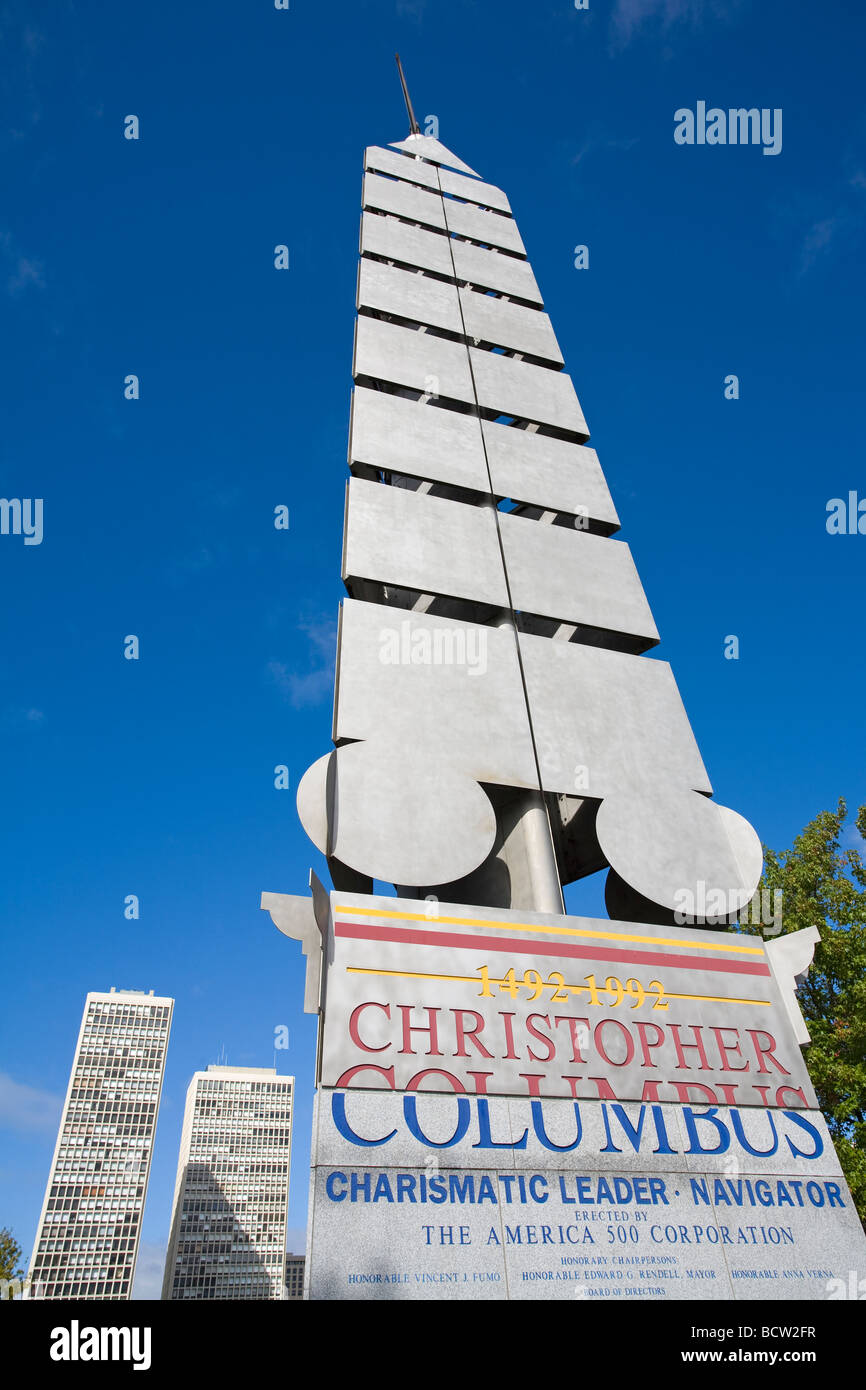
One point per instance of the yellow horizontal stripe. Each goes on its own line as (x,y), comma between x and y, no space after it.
(719,999)
(412,974)
(578,989)
(560,931)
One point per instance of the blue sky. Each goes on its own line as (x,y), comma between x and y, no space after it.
(155,257)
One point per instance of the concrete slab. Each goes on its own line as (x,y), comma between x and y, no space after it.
(400,241)
(423,440)
(551,473)
(453,687)
(401,166)
(410,295)
(405,357)
(491,228)
(492,270)
(491,320)
(426,147)
(420,542)
(619,716)
(576,577)
(474,191)
(527,392)
(404,200)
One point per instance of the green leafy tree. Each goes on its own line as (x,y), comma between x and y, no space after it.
(824,885)
(10,1255)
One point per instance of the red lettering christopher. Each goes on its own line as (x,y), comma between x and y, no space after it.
(420,1047)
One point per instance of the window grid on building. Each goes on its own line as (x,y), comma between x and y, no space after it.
(294,1276)
(231,1203)
(87,1240)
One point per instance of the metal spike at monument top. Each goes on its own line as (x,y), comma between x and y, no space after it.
(414,128)
(498,731)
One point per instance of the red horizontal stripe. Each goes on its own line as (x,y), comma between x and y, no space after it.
(518,946)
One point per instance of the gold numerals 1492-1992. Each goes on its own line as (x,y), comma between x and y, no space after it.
(613,992)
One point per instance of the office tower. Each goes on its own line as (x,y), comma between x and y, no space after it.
(231,1197)
(87,1240)
(295,1276)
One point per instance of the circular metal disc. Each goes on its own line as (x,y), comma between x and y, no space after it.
(403,819)
(667,844)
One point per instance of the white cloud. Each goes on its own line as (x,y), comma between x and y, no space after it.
(412,9)
(149,1271)
(25,271)
(316,680)
(193,563)
(817,239)
(14,718)
(27,1109)
(596,140)
(822,225)
(631,15)
(837,231)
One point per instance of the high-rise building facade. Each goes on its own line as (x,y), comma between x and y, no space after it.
(295,1276)
(231,1198)
(89,1230)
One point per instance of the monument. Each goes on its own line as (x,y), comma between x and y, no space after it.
(513,1102)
